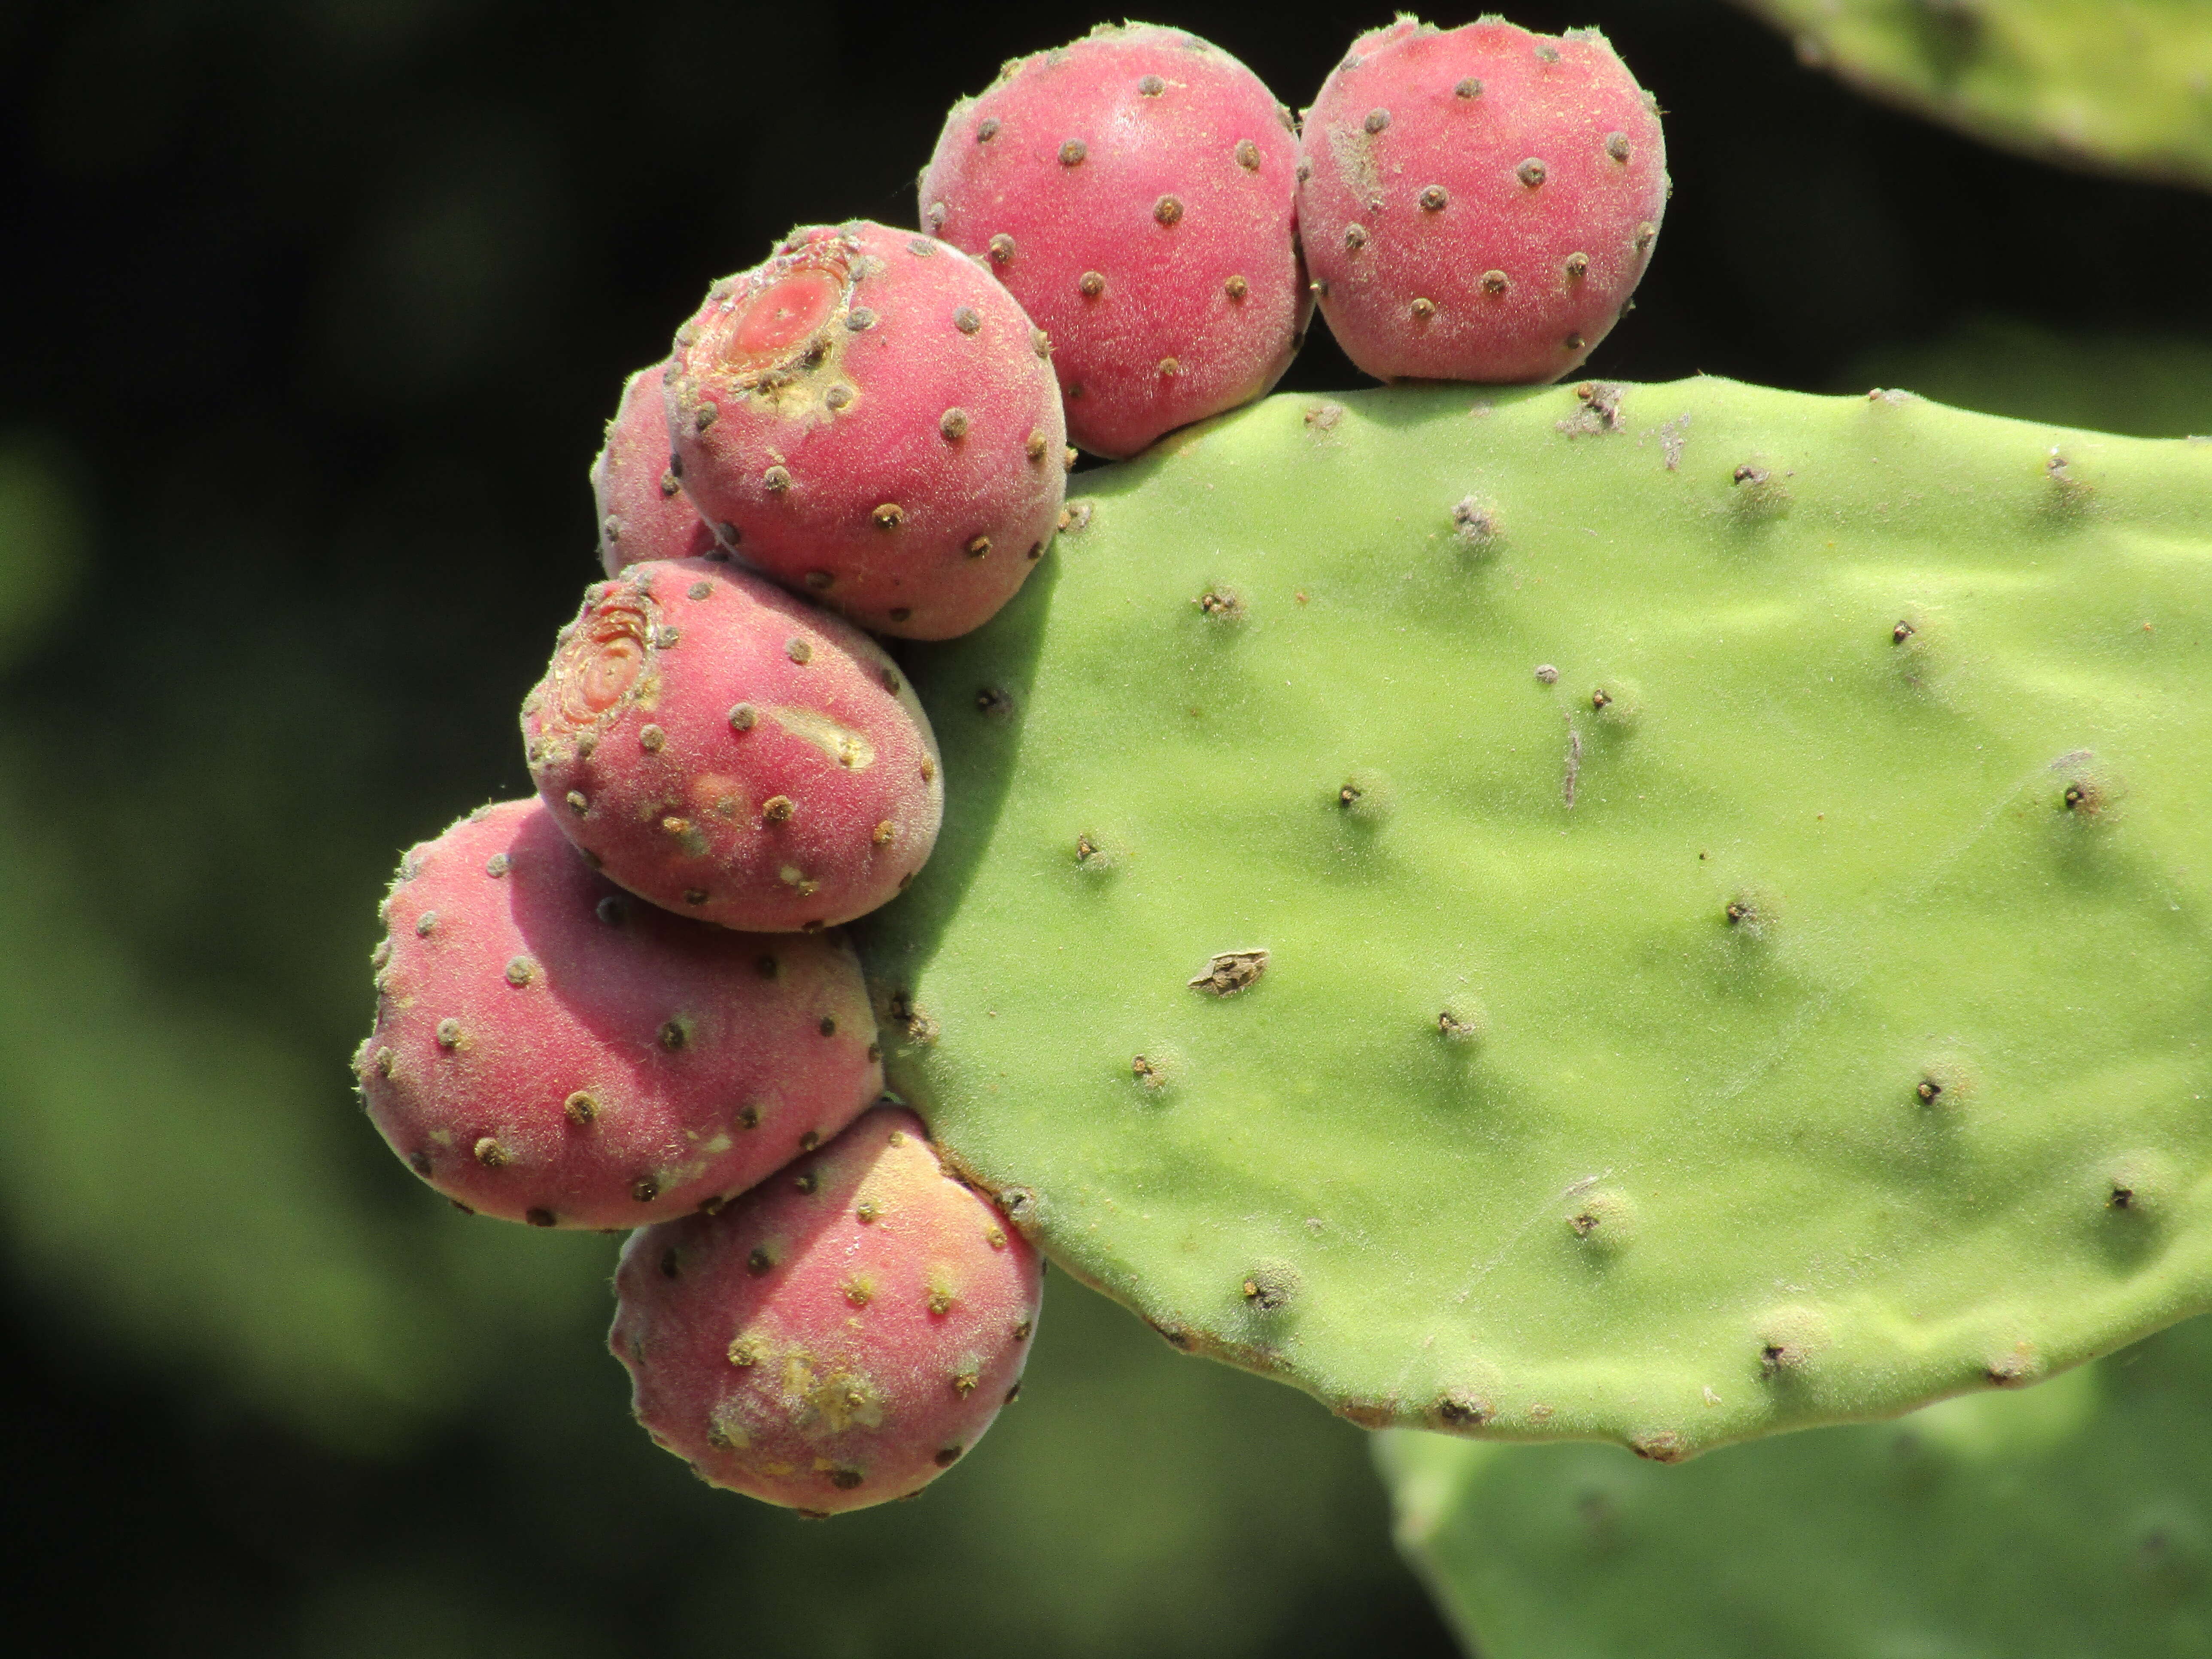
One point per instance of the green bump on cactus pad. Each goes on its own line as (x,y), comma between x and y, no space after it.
(2124,85)
(2066,1521)
(1733,867)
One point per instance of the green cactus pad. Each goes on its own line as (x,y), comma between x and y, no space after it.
(2116,84)
(2070,1520)
(1788,1010)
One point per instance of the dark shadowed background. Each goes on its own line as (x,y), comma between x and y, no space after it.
(313,310)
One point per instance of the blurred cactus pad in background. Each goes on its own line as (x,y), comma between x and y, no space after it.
(2067,1519)
(2124,85)
(278,571)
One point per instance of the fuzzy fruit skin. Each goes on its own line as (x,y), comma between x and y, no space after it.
(870,419)
(1159,114)
(549,1049)
(643,512)
(1414,196)
(733,753)
(839,1336)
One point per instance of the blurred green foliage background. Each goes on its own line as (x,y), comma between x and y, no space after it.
(314,310)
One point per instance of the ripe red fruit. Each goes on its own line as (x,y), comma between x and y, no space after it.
(643,513)
(1479,203)
(1134,190)
(869,419)
(550,1049)
(839,1336)
(730,752)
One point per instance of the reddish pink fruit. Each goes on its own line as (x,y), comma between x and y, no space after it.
(1478,205)
(1134,191)
(868,417)
(839,1336)
(733,753)
(643,513)
(549,1049)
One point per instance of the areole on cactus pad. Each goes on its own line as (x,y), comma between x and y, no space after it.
(1659,912)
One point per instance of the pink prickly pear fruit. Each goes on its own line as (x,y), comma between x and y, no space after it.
(868,418)
(839,1336)
(1479,203)
(733,753)
(1134,191)
(643,512)
(550,1049)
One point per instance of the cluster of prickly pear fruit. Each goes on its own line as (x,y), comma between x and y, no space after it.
(608,1007)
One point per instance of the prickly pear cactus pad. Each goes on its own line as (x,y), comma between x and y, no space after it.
(1661,913)
(2069,1520)
(2116,84)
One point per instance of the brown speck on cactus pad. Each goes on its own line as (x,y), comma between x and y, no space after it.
(1231,972)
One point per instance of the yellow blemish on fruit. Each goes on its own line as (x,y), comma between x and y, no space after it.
(848,748)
